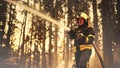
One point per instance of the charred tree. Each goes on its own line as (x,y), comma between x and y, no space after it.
(55,54)
(22,49)
(117,36)
(43,48)
(3,11)
(118,13)
(95,22)
(107,34)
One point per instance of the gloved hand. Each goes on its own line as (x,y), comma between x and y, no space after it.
(72,34)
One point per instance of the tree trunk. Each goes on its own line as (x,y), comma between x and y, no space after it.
(117,37)
(118,14)
(43,48)
(55,56)
(95,21)
(22,59)
(3,7)
(107,34)
(4,51)
(67,52)
(50,46)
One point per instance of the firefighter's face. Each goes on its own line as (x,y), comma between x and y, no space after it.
(81,21)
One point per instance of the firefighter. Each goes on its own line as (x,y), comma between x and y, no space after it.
(83,37)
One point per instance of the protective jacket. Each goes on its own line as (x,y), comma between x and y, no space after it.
(83,37)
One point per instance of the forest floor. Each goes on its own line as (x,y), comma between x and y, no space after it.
(8,63)
(11,63)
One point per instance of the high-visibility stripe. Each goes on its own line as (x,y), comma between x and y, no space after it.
(82,47)
(74,48)
(90,35)
(87,38)
(88,46)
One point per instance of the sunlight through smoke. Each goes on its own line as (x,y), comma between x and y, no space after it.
(38,13)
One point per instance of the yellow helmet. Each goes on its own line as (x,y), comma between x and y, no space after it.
(84,15)
(82,19)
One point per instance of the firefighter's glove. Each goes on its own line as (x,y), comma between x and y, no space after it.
(72,34)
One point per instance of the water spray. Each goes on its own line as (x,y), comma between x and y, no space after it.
(40,14)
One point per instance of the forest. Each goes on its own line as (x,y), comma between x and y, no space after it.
(34,33)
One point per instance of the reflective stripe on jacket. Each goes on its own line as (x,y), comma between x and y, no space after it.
(87,46)
(82,47)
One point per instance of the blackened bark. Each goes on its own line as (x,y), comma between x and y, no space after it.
(107,34)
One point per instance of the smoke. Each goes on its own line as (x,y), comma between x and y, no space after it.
(38,13)
(62,64)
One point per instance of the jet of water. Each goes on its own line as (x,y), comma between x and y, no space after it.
(40,14)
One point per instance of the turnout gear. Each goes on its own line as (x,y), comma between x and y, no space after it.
(83,39)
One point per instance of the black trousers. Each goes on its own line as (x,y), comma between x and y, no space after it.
(82,57)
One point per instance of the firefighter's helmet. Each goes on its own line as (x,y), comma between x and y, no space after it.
(82,15)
